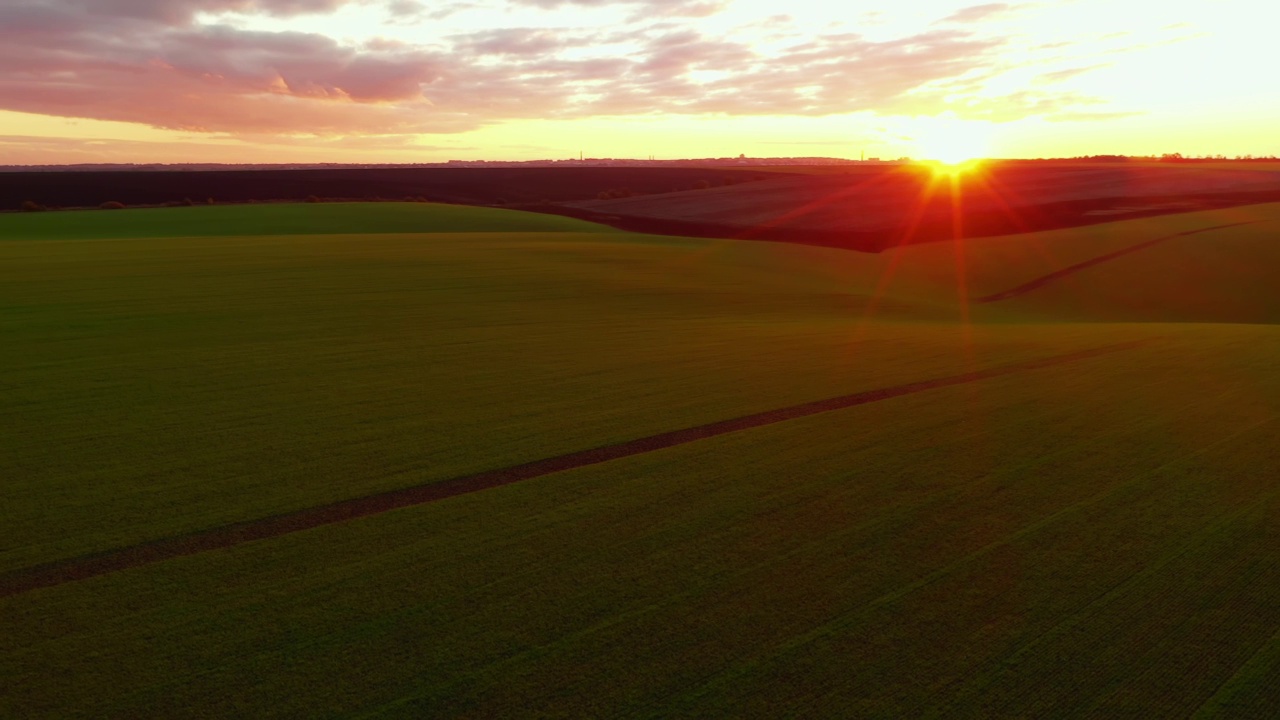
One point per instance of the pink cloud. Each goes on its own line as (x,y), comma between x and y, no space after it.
(146,61)
(176,11)
(148,66)
(978,13)
(515,41)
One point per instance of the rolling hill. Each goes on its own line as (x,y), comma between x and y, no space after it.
(418,460)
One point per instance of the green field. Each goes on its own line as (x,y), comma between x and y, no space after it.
(279,219)
(1095,537)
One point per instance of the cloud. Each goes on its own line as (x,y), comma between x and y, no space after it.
(175,12)
(514,41)
(660,6)
(1006,107)
(36,150)
(1085,116)
(843,73)
(405,7)
(1063,75)
(411,12)
(144,65)
(979,13)
(150,62)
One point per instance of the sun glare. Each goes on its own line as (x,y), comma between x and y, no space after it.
(954,142)
(953,169)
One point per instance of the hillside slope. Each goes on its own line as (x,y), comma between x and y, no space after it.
(1217,266)
(281,219)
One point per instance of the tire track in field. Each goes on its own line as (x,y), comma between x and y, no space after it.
(59,572)
(1043,280)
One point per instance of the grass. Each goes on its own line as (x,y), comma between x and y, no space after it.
(1229,275)
(288,371)
(1225,275)
(1091,538)
(691,582)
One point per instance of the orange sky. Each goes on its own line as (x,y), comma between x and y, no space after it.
(405,81)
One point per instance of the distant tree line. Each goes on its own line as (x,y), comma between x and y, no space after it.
(1173,158)
(33,206)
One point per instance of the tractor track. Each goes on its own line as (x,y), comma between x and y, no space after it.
(1043,280)
(69,570)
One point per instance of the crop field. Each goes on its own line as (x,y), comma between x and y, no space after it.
(279,219)
(416,460)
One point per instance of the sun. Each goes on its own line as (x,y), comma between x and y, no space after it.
(954,156)
(954,169)
(954,142)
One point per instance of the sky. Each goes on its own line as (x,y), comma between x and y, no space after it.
(266,81)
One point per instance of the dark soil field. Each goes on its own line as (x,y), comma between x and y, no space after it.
(468,186)
(872,209)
